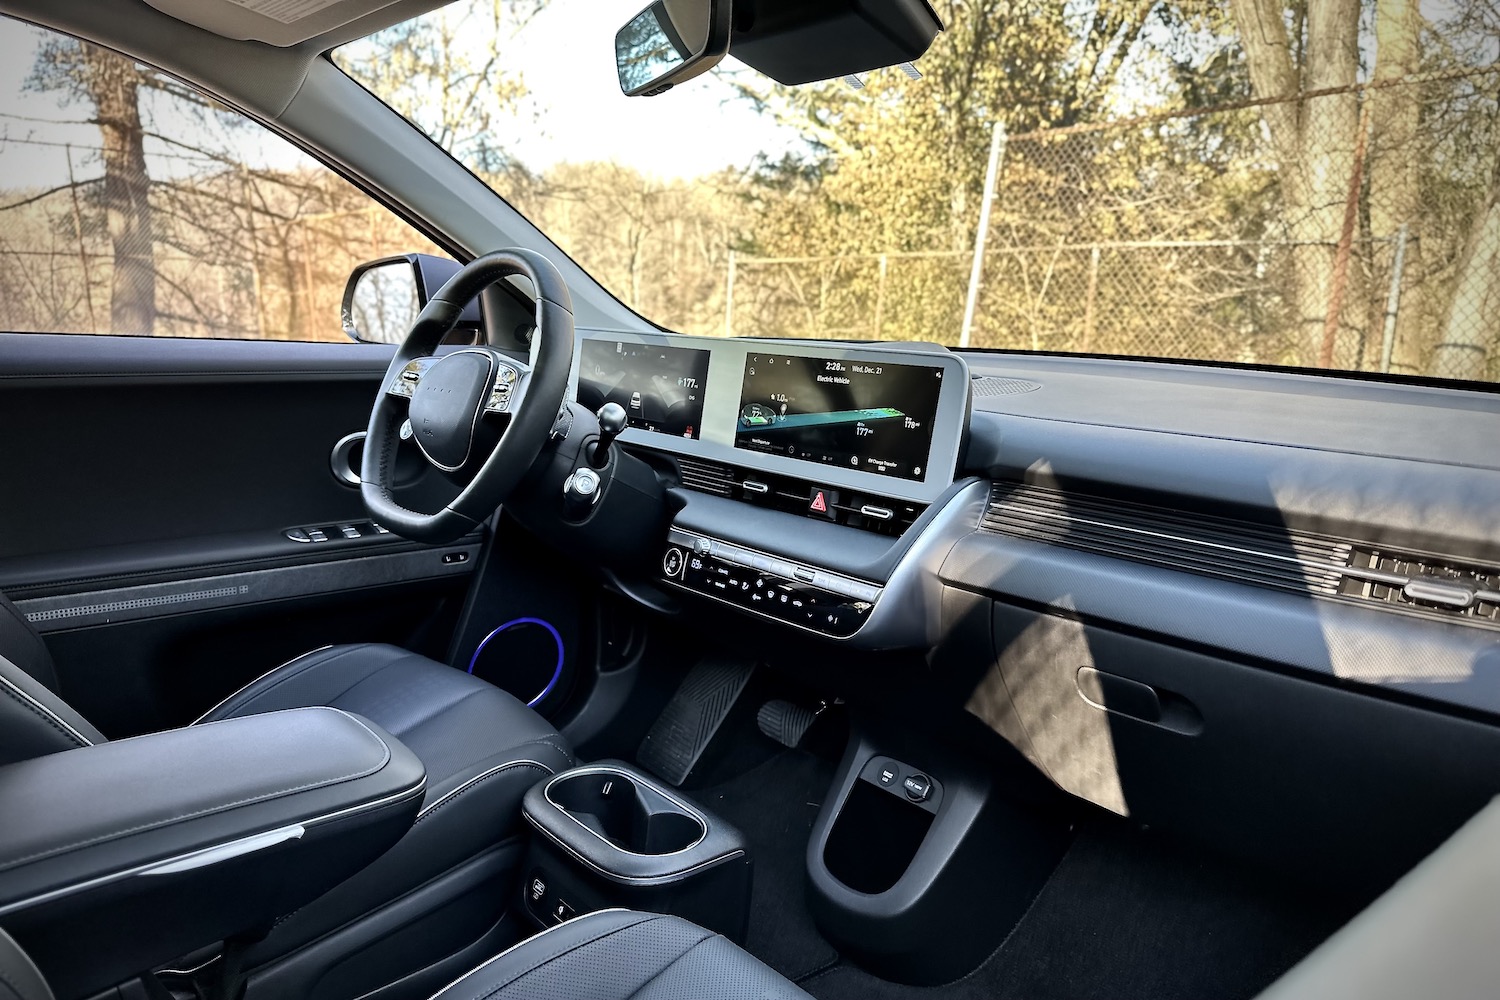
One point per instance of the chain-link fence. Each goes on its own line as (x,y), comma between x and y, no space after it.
(1359,229)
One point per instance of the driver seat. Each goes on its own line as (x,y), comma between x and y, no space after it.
(451,871)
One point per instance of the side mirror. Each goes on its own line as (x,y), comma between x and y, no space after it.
(384,297)
(669,42)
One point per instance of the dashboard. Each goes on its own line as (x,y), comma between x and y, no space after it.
(888,421)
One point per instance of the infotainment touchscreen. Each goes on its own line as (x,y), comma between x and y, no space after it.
(864,416)
(661,388)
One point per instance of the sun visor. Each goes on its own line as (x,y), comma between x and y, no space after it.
(291,22)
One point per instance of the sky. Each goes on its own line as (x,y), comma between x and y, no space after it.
(575,113)
(566,57)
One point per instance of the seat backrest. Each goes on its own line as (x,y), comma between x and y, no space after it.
(19,977)
(34,720)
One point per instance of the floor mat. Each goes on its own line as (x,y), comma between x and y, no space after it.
(1127,918)
(774,806)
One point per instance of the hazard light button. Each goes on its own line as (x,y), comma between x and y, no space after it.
(822,502)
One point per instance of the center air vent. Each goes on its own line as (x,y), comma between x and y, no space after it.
(807,498)
(706,477)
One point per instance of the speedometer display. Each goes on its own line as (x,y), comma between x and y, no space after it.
(661,388)
(863,416)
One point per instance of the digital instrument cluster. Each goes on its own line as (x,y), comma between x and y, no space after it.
(661,388)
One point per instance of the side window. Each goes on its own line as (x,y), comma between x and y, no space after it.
(131,204)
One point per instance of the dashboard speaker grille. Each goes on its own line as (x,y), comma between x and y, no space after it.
(1225,548)
(992,385)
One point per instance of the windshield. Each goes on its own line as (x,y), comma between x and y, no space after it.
(1150,180)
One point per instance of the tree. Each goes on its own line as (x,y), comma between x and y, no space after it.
(112,85)
(1312,48)
(430,71)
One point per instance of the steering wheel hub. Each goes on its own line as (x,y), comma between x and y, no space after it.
(446,404)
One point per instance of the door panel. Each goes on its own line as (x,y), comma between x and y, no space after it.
(148,485)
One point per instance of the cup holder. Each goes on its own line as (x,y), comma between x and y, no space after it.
(626,812)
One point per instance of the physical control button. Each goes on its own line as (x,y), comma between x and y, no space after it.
(821,502)
(917,787)
(348,531)
(298,535)
(702,546)
(317,535)
(804,574)
(580,492)
(672,562)
(562,911)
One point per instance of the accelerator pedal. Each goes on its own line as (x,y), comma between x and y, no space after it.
(682,732)
(785,722)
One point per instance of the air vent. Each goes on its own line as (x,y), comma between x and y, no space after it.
(805,497)
(706,477)
(1247,552)
(991,385)
(1428,585)
(1219,547)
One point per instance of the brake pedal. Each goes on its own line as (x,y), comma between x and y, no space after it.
(785,722)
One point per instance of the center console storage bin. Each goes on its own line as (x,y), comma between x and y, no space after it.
(608,835)
(148,848)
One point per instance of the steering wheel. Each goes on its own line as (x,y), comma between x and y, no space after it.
(440,402)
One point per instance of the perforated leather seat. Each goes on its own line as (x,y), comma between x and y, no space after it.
(622,955)
(481,747)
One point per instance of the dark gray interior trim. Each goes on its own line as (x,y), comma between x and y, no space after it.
(110,606)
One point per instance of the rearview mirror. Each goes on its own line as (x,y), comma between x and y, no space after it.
(669,42)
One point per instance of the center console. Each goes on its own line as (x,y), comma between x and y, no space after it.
(608,835)
(811,473)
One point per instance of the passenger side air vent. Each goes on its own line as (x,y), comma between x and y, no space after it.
(1423,584)
(1219,547)
(1248,552)
(706,477)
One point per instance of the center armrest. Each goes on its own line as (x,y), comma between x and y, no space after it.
(212,830)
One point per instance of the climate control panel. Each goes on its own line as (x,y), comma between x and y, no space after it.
(805,596)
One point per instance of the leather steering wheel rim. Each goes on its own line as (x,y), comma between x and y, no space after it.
(539,399)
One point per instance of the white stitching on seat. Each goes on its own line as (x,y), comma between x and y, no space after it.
(226,806)
(476,780)
(245,687)
(46,712)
